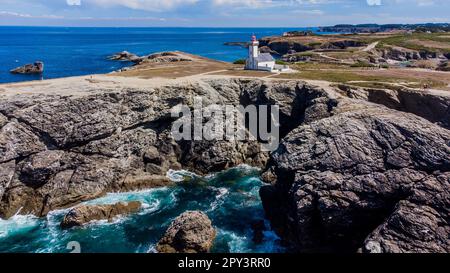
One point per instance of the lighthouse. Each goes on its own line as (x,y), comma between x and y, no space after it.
(257,60)
(254,47)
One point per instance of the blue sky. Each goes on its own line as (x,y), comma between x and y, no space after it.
(220,13)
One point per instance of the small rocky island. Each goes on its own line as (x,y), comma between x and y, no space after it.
(358,169)
(36,68)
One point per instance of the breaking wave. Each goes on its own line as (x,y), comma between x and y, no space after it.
(230,198)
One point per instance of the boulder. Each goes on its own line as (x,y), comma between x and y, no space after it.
(82,215)
(36,68)
(191,232)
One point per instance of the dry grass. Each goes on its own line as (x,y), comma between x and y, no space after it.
(243,73)
(376,78)
(199,65)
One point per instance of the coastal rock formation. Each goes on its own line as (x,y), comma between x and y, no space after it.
(57,150)
(342,44)
(84,214)
(124,56)
(353,172)
(36,68)
(433,107)
(292,44)
(284,47)
(164,57)
(241,44)
(191,232)
(367,177)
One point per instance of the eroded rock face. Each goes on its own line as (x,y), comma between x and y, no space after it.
(82,215)
(164,57)
(364,173)
(191,232)
(433,107)
(58,151)
(36,68)
(124,56)
(350,174)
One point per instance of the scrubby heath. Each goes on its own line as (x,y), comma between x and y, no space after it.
(397,59)
(357,168)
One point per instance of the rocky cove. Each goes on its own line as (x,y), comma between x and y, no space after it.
(357,169)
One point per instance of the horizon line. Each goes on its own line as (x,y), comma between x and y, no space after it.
(74,26)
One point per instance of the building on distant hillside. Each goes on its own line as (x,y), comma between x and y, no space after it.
(261,61)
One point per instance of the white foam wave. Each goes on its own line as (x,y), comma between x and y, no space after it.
(18,224)
(180,176)
(222,192)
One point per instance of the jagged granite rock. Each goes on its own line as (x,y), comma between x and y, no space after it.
(337,181)
(68,149)
(350,174)
(164,57)
(82,215)
(191,232)
(124,56)
(36,68)
(431,106)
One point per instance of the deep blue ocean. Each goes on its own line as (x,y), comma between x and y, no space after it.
(82,51)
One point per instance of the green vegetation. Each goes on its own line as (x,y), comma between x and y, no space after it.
(280,62)
(240,61)
(306,54)
(410,41)
(315,44)
(315,66)
(362,64)
(372,81)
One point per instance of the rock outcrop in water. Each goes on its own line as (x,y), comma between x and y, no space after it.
(162,57)
(82,215)
(36,68)
(124,56)
(191,232)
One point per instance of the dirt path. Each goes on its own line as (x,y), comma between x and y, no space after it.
(371,46)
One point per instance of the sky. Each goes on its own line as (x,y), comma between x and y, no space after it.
(219,13)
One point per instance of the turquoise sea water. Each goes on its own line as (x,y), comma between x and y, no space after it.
(83,51)
(230,199)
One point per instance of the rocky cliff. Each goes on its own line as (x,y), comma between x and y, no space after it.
(350,173)
(366,178)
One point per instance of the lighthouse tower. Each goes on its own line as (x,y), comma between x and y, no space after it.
(253,53)
(257,60)
(254,47)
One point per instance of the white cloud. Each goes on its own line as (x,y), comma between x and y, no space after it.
(309,12)
(149,5)
(73,2)
(374,2)
(26,15)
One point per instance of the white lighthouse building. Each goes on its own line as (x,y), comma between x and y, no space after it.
(257,60)
(261,61)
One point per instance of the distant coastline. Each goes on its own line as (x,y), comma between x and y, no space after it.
(77,51)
